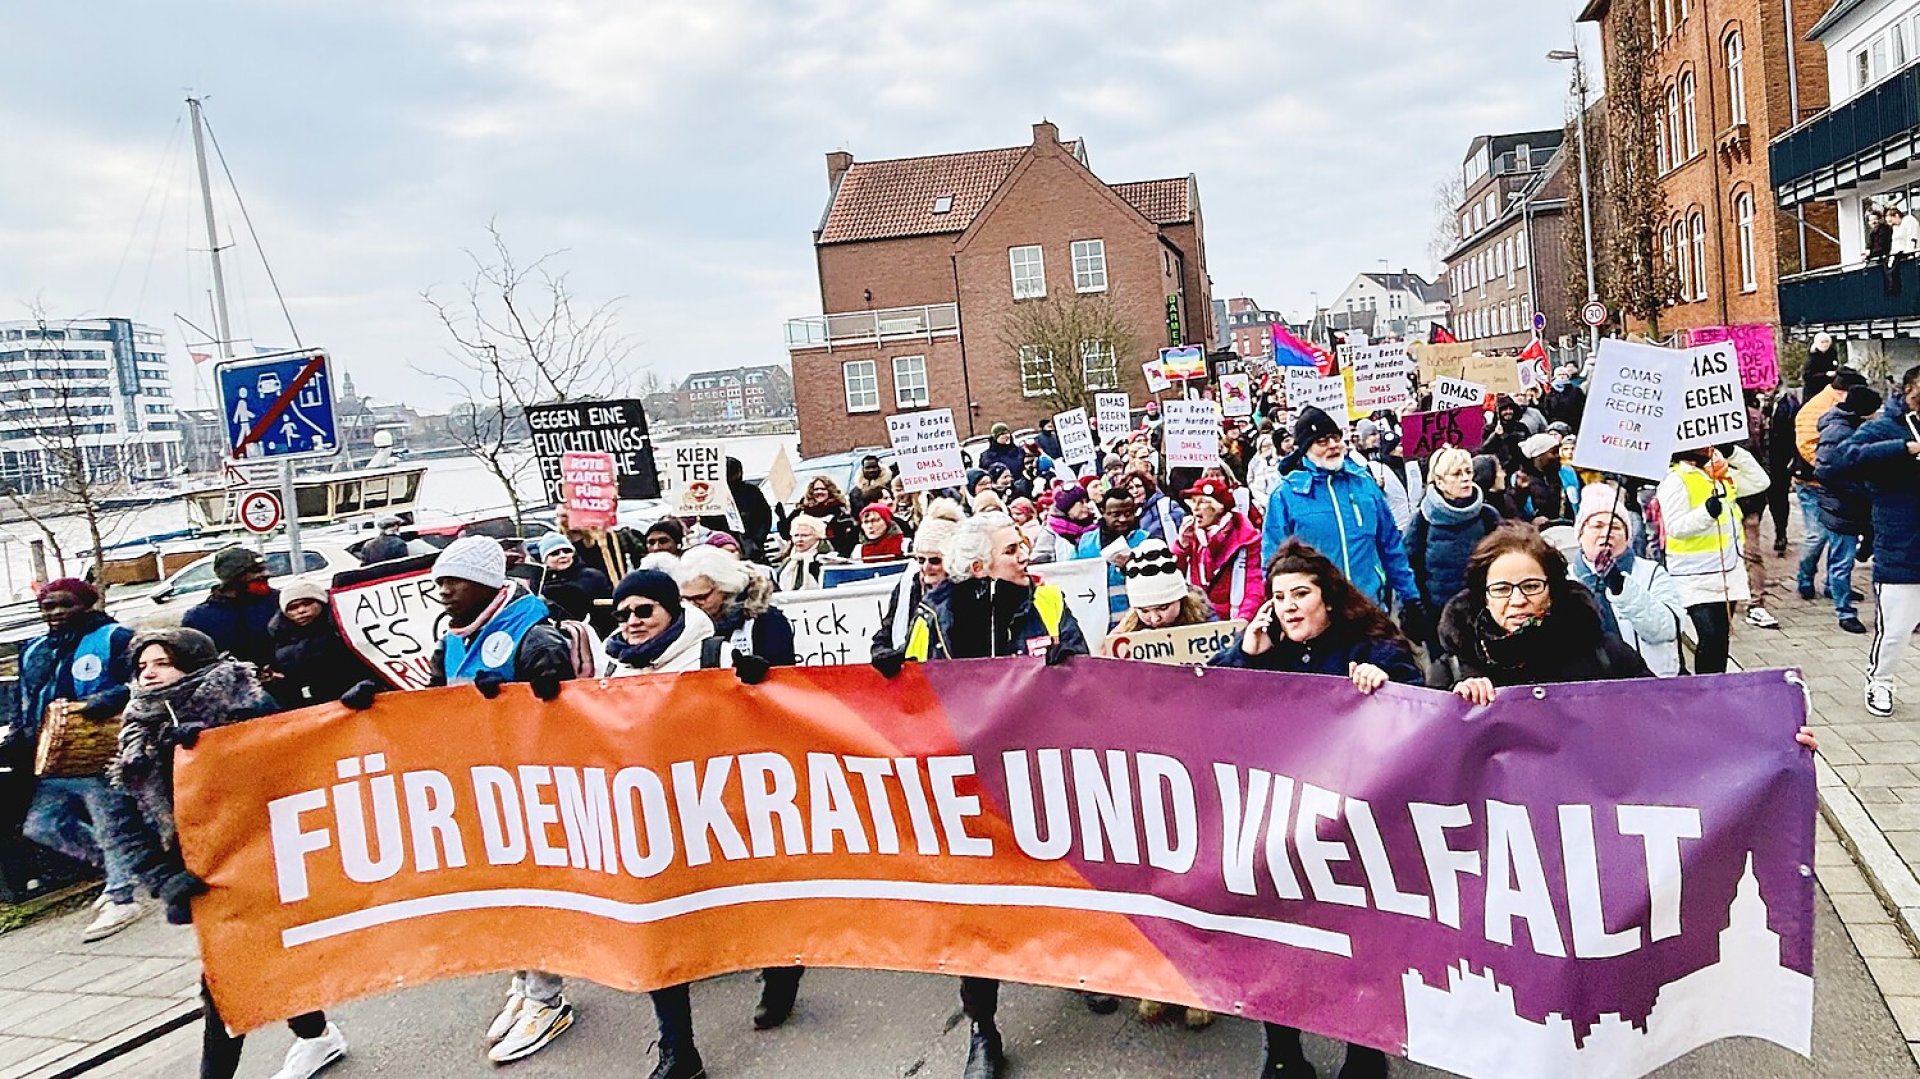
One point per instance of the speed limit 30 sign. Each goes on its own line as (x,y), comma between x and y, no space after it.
(260,511)
(1594,314)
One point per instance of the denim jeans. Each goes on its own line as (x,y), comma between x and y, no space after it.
(89,821)
(1815,540)
(1840,551)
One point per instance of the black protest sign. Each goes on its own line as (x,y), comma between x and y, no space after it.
(615,427)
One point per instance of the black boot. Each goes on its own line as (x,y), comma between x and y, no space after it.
(1100,1003)
(1285,1058)
(985,1057)
(778,988)
(679,1062)
(1364,1063)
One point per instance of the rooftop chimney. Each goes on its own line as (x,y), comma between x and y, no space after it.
(1045,134)
(838,162)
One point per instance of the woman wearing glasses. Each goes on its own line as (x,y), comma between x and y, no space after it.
(1523,621)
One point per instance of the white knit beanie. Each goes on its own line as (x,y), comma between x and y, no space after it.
(295,591)
(1539,445)
(942,520)
(1153,577)
(473,558)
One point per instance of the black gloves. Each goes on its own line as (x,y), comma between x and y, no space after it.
(488,683)
(751,668)
(186,737)
(177,893)
(1057,656)
(545,686)
(1715,507)
(100,706)
(889,664)
(360,697)
(1616,582)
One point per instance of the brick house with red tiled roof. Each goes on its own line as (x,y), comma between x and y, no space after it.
(920,260)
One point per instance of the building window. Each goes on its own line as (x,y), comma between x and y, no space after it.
(1699,255)
(1743,212)
(1862,70)
(1089,265)
(1669,21)
(1099,366)
(863,385)
(1029,272)
(1736,79)
(910,382)
(1036,371)
(1674,143)
(1520,250)
(1688,117)
(1659,141)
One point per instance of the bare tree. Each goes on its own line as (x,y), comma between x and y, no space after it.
(519,339)
(1633,275)
(1064,349)
(1447,234)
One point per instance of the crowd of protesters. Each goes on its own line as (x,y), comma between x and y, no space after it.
(1479,567)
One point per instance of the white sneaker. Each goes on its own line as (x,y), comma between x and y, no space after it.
(112,919)
(1880,697)
(308,1055)
(538,1024)
(502,1023)
(1758,616)
(101,902)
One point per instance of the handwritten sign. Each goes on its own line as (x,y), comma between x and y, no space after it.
(1758,351)
(926,449)
(1176,647)
(1191,433)
(697,479)
(1113,414)
(1075,432)
(1423,433)
(1156,377)
(1380,381)
(1633,400)
(1499,374)
(1449,393)
(391,616)
(1440,361)
(591,487)
(1306,387)
(1236,395)
(615,427)
(1713,410)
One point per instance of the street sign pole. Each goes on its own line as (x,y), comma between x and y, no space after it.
(291,507)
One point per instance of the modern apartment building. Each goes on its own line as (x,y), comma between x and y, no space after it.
(96,385)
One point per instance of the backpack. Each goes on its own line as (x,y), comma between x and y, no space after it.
(579,646)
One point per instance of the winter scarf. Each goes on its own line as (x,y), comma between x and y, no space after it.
(1595,578)
(1070,530)
(647,653)
(1444,511)
(224,693)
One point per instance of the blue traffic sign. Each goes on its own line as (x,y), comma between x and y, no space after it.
(278,406)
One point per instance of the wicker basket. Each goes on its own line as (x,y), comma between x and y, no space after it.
(73,746)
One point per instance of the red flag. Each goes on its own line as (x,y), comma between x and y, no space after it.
(1536,354)
(1440,335)
(200,357)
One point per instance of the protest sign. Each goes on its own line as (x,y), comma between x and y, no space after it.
(1113,414)
(1183,363)
(1190,433)
(615,427)
(781,481)
(1236,395)
(697,480)
(1440,361)
(1633,401)
(390,615)
(589,484)
(1180,646)
(1391,356)
(1457,393)
(1541,886)
(1713,410)
(1305,387)
(1379,382)
(1755,345)
(1422,433)
(1156,377)
(1499,374)
(926,449)
(1076,436)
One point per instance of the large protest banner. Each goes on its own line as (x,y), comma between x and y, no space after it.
(1540,887)
(616,427)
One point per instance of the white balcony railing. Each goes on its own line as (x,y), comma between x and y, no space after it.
(873,327)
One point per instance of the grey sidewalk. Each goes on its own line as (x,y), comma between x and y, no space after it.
(66,1004)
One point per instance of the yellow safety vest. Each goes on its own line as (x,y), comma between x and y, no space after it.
(1713,552)
(1049,602)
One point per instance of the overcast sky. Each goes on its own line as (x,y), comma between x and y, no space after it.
(675,150)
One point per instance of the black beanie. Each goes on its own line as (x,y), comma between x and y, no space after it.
(1847,378)
(1862,401)
(649,584)
(1311,426)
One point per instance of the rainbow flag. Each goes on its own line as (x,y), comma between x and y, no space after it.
(1290,351)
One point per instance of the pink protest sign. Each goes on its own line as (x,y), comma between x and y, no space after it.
(591,487)
(1422,433)
(1754,345)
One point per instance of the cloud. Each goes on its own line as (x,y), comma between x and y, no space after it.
(674,149)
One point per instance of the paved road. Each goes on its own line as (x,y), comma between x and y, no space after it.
(853,1025)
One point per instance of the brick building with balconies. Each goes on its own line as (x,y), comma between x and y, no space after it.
(925,262)
(1733,74)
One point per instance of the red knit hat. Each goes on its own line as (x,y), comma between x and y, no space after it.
(1215,489)
(879,509)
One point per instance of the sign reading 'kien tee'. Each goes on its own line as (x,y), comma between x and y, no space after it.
(926,449)
(699,480)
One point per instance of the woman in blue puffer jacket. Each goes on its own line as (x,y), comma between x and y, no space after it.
(1452,519)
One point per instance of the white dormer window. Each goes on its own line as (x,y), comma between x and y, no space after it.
(943,204)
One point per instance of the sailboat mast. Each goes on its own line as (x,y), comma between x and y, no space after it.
(223,323)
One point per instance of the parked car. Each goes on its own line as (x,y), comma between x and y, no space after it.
(320,560)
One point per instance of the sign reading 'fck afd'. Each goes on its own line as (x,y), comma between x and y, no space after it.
(1537,887)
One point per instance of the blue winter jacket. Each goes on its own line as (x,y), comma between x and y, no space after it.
(1344,516)
(1162,517)
(1329,653)
(1877,456)
(239,627)
(46,671)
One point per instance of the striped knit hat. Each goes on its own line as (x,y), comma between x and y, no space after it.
(1153,577)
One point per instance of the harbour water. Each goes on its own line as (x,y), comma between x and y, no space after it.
(454,487)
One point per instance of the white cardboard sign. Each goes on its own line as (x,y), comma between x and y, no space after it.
(1633,403)
(1451,393)
(1713,410)
(926,449)
(1076,437)
(1306,387)
(1190,434)
(1157,381)
(1113,414)
(1236,394)
(697,476)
